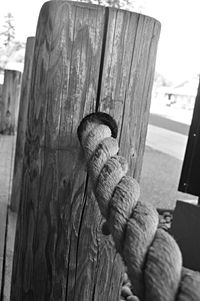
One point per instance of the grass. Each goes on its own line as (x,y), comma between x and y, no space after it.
(160,178)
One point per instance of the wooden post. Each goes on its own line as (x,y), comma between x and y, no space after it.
(1,88)
(86,58)
(22,122)
(9,107)
(190,173)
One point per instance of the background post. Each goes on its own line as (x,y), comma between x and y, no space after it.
(10,102)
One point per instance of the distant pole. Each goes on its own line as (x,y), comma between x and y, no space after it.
(87,58)
(22,123)
(9,107)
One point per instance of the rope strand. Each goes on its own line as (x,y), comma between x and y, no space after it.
(152,257)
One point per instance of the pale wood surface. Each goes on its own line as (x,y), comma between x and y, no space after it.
(60,252)
(22,122)
(7,144)
(7,151)
(10,238)
(9,106)
(3,223)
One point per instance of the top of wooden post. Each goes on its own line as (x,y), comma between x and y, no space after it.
(86,58)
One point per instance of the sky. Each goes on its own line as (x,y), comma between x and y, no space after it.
(178,56)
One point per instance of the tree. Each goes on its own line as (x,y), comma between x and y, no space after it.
(11,50)
(9,32)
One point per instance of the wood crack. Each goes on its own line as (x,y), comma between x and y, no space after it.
(105,30)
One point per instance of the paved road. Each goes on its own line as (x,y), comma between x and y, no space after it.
(167,136)
(169,124)
(165,149)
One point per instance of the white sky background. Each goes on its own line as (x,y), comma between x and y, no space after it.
(179,46)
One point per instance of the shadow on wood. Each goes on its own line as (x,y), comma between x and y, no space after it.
(86,58)
(22,123)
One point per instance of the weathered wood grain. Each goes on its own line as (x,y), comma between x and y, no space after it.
(9,106)
(60,251)
(127,80)
(22,122)
(64,84)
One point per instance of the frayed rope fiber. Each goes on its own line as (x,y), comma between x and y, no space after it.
(152,256)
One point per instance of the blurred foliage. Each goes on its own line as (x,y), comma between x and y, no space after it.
(9,30)
(11,50)
(136,5)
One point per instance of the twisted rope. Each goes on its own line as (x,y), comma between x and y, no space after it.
(152,257)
